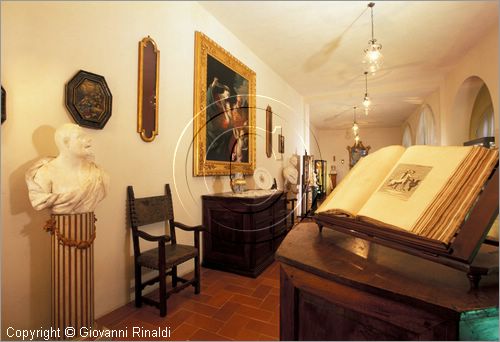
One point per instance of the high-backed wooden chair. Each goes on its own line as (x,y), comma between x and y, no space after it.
(168,255)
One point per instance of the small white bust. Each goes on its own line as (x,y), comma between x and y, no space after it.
(291,174)
(71,182)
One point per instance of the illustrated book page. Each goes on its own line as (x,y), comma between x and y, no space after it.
(424,190)
(361,181)
(430,190)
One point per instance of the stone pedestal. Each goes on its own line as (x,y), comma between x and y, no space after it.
(72,271)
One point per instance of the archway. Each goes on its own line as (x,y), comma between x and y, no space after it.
(458,125)
(482,121)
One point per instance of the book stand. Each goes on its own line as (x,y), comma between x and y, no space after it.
(460,253)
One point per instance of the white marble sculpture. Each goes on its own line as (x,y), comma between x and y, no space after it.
(70,183)
(291,175)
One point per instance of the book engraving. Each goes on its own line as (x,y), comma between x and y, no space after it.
(405,180)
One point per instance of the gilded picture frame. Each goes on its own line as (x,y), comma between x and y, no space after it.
(148,93)
(224,137)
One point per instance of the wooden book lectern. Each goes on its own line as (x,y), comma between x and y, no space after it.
(460,253)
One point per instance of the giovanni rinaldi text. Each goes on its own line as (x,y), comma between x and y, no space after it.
(86,332)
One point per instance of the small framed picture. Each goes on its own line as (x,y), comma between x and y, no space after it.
(89,100)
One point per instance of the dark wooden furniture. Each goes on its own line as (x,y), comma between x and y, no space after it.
(243,231)
(487,142)
(291,203)
(168,255)
(338,287)
(458,254)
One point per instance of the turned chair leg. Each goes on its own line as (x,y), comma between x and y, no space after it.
(138,286)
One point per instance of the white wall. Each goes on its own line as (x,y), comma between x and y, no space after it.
(334,143)
(448,102)
(433,101)
(43,44)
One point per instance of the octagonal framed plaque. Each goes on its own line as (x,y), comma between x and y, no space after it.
(89,99)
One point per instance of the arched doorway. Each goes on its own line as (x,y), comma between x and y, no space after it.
(458,127)
(482,121)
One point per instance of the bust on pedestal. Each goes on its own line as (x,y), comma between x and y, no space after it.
(291,177)
(70,185)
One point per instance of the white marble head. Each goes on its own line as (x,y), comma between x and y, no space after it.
(71,139)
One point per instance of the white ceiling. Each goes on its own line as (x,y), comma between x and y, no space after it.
(317,47)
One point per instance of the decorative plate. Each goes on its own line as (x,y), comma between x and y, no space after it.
(263,178)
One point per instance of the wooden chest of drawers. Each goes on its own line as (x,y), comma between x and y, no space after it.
(243,231)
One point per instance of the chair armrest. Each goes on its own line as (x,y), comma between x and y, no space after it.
(195,229)
(149,237)
(189,228)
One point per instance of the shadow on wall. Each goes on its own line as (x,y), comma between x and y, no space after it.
(39,240)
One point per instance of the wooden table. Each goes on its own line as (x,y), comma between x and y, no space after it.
(338,287)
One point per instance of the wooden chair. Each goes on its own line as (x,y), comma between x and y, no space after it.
(168,255)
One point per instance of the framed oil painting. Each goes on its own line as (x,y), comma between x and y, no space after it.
(224,112)
(89,100)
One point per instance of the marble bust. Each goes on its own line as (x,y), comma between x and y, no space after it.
(291,175)
(70,183)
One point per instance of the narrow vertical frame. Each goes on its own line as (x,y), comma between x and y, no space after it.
(269,131)
(148,89)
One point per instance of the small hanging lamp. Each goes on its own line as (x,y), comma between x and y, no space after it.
(373,58)
(366,100)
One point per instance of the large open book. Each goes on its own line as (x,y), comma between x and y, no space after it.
(426,191)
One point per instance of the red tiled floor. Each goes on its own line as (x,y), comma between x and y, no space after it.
(238,289)
(262,291)
(264,328)
(204,322)
(183,332)
(229,307)
(233,327)
(270,303)
(247,300)
(248,335)
(254,313)
(204,335)
(226,311)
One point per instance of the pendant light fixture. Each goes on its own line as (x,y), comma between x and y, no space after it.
(373,57)
(366,100)
(355,127)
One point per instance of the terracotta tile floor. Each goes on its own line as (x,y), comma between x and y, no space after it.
(229,307)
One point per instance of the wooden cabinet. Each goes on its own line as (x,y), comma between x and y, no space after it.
(243,231)
(338,287)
